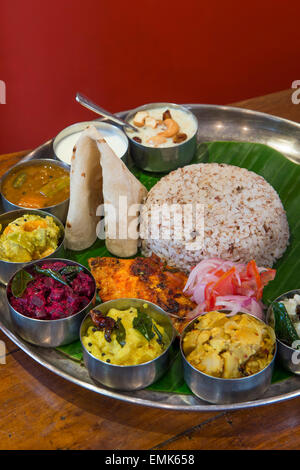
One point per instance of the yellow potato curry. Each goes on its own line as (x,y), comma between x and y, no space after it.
(132,347)
(229,347)
(29,238)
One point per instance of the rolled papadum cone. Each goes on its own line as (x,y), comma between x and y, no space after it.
(123,194)
(85,192)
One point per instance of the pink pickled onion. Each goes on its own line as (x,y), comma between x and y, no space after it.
(245,297)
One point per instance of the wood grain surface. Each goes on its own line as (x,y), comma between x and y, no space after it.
(39,410)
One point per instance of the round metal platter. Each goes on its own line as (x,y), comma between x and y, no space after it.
(216,123)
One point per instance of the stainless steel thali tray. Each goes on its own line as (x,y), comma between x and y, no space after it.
(216,123)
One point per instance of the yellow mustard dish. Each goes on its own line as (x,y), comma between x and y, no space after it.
(134,347)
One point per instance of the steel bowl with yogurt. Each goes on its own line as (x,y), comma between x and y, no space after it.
(65,141)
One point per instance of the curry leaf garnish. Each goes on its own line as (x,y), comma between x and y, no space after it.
(20,282)
(50,273)
(120,333)
(70,272)
(70,269)
(143,323)
(159,335)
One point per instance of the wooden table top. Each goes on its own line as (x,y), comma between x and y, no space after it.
(39,410)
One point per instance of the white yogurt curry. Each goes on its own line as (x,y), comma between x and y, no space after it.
(162,127)
(64,148)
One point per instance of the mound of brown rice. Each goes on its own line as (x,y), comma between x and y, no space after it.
(243,217)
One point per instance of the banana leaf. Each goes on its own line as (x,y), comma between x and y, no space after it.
(284,176)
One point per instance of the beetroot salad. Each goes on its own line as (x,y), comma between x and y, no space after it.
(51,291)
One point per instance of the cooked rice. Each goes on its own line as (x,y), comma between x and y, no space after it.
(244,218)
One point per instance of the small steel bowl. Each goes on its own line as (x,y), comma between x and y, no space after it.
(162,159)
(58,210)
(49,333)
(224,391)
(8,268)
(129,377)
(103,127)
(288,356)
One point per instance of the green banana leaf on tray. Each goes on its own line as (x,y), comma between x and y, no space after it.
(284,176)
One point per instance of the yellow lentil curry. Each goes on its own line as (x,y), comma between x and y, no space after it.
(37,186)
(133,348)
(229,347)
(28,238)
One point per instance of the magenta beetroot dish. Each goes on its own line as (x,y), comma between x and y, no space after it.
(51,290)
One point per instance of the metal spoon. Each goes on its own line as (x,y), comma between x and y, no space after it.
(87,103)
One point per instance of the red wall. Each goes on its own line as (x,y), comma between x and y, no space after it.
(124,54)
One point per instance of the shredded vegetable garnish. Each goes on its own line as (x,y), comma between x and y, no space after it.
(218,284)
